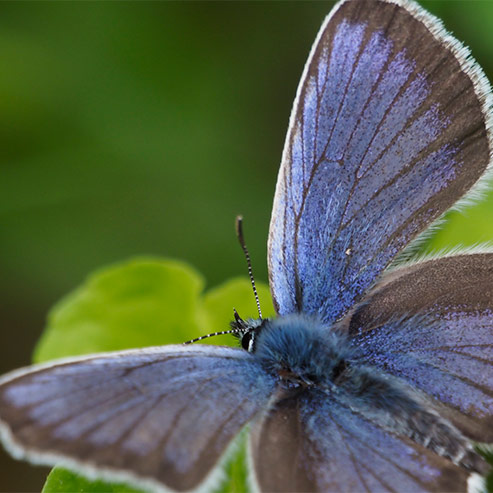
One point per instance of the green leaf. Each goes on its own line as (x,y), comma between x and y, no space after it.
(144,302)
(62,480)
(141,302)
(468,227)
(236,468)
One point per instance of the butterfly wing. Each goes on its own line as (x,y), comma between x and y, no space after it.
(432,324)
(159,415)
(388,130)
(314,444)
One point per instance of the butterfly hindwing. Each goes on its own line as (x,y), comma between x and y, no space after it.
(162,415)
(388,130)
(431,324)
(429,285)
(313,443)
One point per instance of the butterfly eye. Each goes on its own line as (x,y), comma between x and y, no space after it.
(248,341)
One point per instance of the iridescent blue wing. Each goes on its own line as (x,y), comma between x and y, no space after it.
(159,416)
(388,130)
(431,324)
(313,443)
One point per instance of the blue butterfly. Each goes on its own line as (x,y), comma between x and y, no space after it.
(377,374)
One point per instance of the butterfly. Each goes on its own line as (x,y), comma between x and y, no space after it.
(376,374)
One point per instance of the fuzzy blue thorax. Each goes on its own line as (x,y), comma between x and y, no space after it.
(302,351)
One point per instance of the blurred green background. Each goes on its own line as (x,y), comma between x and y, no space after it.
(144,128)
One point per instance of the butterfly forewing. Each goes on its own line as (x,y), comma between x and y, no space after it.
(388,131)
(165,415)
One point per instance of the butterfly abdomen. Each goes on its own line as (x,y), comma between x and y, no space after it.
(394,406)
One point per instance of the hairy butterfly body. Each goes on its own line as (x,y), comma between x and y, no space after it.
(371,378)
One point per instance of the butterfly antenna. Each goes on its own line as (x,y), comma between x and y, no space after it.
(241,239)
(223,332)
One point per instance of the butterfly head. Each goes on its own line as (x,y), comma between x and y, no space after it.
(244,330)
(247,331)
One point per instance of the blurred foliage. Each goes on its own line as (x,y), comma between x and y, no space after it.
(115,117)
(138,303)
(142,129)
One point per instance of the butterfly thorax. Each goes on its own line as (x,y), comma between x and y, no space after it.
(302,352)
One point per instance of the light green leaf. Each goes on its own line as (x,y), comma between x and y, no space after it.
(61,480)
(469,227)
(141,302)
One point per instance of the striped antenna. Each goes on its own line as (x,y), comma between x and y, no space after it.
(223,332)
(241,239)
